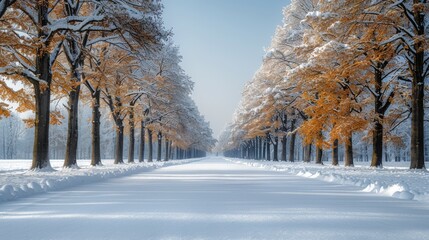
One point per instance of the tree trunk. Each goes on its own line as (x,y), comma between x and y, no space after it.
(149,138)
(377,145)
(42,94)
(335,153)
(119,142)
(41,131)
(260,145)
(307,153)
(142,141)
(131,139)
(255,148)
(319,154)
(418,86)
(276,148)
(73,124)
(264,149)
(348,162)
(292,141)
(258,148)
(284,143)
(95,141)
(377,133)
(159,146)
(170,152)
(167,148)
(268,150)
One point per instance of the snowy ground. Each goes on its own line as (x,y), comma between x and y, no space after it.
(213,199)
(17,181)
(394,179)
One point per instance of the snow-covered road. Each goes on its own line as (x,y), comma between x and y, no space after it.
(213,199)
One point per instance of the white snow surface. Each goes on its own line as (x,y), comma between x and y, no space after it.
(17,181)
(394,179)
(213,198)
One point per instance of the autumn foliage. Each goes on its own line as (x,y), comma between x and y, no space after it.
(107,53)
(338,71)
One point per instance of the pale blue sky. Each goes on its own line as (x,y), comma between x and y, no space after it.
(222,43)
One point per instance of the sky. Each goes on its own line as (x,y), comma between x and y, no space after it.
(222,43)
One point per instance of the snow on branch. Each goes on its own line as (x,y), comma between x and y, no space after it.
(85,23)
(9,70)
(21,59)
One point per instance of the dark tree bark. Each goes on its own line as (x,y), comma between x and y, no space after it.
(418,86)
(292,142)
(377,145)
(142,141)
(131,139)
(75,57)
(348,162)
(379,109)
(268,149)
(119,142)
(256,154)
(264,149)
(170,150)
(41,131)
(276,149)
(307,153)
(319,154)
(167,149)
(284,138)
(335,153)
(73,124)
(255,149)
(95,132)
(150,145)
(260,145)
(284,144)
(42,94)
(377,133)
(159,146)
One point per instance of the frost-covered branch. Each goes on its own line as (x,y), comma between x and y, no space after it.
(10,70)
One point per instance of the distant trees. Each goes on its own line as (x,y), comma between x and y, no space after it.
(110,47)
(11,130)
(334,70)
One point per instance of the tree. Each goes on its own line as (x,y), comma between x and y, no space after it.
(134,24)
(116,92)
(409,20)
(11,130)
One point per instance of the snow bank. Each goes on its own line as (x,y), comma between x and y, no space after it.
(17,182)
(399,182)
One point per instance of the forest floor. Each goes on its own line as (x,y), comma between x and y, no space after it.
(214,198)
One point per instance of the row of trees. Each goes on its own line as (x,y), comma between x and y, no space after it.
(112,54)
(337,69)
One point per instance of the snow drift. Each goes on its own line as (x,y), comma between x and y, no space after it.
(395,181)
(17,182)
